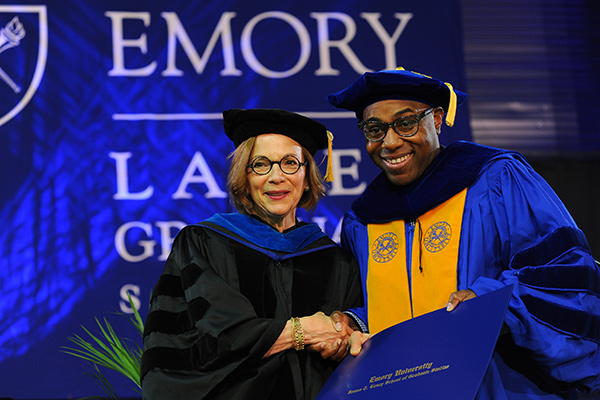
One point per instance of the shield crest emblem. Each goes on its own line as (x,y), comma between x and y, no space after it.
(23,54)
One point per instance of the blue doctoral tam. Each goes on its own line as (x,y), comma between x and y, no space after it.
(398,84)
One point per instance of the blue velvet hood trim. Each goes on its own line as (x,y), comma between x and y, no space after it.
(453,169)
(264,236)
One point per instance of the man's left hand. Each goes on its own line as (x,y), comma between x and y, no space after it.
(459,297)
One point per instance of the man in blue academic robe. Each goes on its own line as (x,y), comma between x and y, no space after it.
(441,225)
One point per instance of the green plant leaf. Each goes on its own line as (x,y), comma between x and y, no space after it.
(108,350)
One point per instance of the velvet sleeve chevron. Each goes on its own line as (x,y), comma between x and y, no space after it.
(200,329)
(562,246)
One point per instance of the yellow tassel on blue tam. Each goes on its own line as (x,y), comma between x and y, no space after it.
(329,170)
(398,84)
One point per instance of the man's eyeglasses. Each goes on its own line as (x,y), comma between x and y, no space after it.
(375,131)
(262,165)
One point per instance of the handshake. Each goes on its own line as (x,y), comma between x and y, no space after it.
(332,336)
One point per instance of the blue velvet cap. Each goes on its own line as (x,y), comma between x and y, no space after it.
(398,84)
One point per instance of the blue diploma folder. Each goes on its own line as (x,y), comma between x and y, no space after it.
(440,355)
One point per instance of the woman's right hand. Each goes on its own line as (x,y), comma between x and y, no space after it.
(337,351)
(319,328)
(332,337)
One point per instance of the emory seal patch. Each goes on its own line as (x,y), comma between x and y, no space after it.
(385,247)
(438,236)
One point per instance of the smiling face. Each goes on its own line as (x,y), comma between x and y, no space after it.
(276,195)
(404,159)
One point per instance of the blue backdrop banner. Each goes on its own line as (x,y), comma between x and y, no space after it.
(111,140)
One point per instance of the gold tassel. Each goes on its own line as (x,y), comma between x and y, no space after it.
(451,112)
(329,172)
(451,106)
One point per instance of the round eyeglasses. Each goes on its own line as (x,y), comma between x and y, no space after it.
(262,165)
(408,126)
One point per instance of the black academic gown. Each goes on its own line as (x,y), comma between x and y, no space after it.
(227,290)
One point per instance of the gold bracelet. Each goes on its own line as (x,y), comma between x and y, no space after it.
(297,334)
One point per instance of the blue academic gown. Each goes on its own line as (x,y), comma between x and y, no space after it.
(515,230)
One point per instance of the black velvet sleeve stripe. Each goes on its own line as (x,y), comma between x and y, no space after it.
(168,285)
(555,244)
(190,274)
(166,358)
(187,359)
(561,277)
(198,307)
(576,322)
(167,322)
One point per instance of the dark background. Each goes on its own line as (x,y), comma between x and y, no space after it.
(532,71)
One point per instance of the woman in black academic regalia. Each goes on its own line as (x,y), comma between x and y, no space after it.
(241,309)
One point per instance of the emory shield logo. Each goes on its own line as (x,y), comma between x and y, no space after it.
(23,53)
